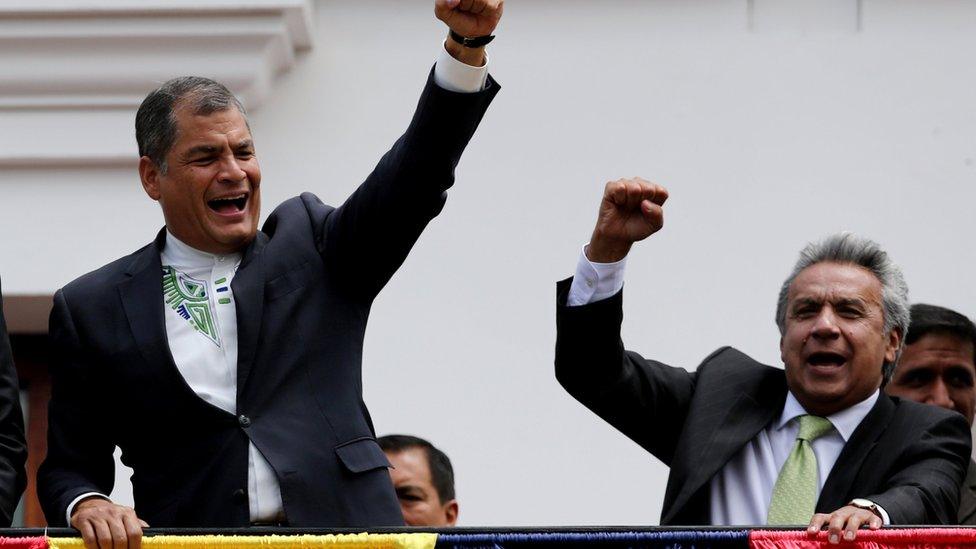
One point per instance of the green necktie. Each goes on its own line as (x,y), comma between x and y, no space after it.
(795,494)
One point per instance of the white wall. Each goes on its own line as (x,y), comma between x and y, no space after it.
(767,138)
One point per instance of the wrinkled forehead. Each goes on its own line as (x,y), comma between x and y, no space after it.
(833,282)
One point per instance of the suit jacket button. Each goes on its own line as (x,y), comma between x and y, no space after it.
(239,495)
(244,420)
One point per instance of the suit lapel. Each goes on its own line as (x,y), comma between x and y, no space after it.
(843,476)
(719,441)
(248,288)
(142,300)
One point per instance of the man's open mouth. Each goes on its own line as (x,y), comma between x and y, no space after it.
(229,204)
(826,358)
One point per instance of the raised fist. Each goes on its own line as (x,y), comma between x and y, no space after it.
(631,210)
(469,18)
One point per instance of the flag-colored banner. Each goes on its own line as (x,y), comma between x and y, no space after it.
(38,542)
(901,538)
(670,539)
(343,541)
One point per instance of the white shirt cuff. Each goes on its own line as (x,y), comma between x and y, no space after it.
(71,506)
(885,519)
(595,281)
(455,76)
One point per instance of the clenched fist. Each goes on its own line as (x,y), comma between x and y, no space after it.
(469,18)
(631,210)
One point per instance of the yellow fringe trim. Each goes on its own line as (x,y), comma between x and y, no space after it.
(350,541)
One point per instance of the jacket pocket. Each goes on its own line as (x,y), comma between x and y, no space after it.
(362,454)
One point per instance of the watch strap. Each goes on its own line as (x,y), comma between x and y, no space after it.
(474,42)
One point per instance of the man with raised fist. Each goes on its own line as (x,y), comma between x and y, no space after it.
(815,444)
(225,361)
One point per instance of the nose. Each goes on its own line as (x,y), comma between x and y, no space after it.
(230,170)
(825,325)
(939,396)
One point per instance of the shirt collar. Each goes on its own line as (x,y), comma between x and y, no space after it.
(178,253)
(844,421)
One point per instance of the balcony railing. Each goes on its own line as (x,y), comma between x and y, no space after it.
(501,538)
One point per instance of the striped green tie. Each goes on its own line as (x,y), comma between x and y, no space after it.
(795,494)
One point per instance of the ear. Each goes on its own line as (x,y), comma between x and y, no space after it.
(894,342)
(451,512)
(782,353)
(149,174)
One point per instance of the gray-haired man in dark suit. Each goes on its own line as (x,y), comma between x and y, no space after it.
(816,443)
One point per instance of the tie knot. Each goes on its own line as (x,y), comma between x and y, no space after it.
(813,427)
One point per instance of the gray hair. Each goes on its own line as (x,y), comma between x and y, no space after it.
(156,121)
(847,247)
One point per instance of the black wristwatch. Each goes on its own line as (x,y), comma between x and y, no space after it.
(475,42)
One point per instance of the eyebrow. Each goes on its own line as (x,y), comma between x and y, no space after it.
(211,149)
(806,301)
(200,149)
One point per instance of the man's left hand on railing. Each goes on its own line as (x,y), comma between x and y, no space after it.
(844,522)
(105,525)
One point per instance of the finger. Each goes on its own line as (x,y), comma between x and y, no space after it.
(647,189)
(133,530)
(635,192)
(497,6)
(835,526)
(103,534)
(465,5)
(443,8)
(660,195)
(120,538)
(875,522)
(617,192)
(143,523)
(478,7)
(853,523)
(816,523)
(87,532)
(653,214)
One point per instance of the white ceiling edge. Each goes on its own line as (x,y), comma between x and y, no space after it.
(71,66)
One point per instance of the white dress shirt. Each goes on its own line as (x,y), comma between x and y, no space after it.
(202,333)
(743,487)
(204,347)
(741,490)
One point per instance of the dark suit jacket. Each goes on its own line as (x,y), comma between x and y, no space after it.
(13,445)
(303,294)
(907,457)
(967,497)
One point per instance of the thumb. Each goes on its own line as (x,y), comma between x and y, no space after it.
(653,213)
(446,4)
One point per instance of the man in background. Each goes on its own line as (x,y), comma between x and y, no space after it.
(938,366)
(424,480)
(13,445)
